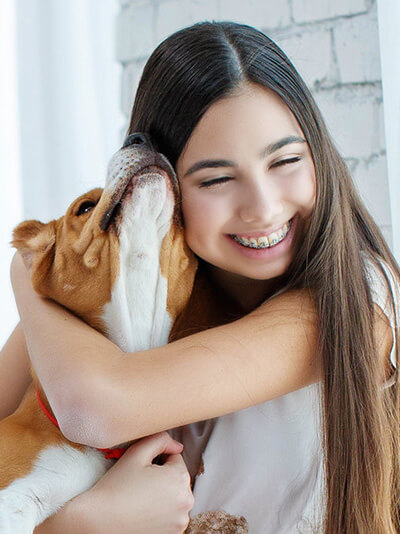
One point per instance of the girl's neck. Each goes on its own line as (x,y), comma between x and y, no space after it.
(247,292)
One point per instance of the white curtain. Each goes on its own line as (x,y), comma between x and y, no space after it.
(10,192)
(69,110)
(389,39)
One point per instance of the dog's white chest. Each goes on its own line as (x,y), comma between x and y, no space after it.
(136,318)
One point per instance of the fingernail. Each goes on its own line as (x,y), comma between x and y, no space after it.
(178,443)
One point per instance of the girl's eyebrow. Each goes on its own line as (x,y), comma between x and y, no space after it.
(214,163)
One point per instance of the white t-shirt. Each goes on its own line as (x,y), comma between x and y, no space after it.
(265,462)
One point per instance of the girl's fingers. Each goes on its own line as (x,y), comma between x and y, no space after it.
(175,459)
(144,451)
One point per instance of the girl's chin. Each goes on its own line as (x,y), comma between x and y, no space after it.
(238,273)
(262,275)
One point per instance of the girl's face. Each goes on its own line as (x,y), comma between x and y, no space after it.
(247,178)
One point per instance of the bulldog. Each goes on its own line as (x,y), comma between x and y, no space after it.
(118,260)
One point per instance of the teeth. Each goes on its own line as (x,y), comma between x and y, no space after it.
(264,241)
(273,238)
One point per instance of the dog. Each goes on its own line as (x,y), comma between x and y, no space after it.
(118,260)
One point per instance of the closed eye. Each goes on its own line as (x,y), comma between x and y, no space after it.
(223,179)
(220,180)
(286,161)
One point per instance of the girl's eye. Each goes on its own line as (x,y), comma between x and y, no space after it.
(216,181)
(221,180)
(286,161)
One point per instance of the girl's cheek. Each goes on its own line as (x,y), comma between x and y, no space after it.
(302,192)
(193,212)
(200,207)
(204,217)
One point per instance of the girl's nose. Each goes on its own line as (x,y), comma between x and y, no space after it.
(260,203)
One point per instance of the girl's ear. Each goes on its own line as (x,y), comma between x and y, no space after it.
(33,240)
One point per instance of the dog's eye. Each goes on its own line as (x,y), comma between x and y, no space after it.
(85,207)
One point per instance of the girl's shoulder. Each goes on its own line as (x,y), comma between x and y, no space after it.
(384,285)
(385,292)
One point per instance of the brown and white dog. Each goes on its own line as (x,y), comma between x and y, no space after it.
(118,260)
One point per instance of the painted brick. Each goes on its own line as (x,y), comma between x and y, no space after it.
(388,235)
(380,125)
(134,32)
(357,49)
(130,80)
(354,119)
(256,13)
(176,14)
(351,164)
(313,10)
(371,181)
(315,69)
(125,3)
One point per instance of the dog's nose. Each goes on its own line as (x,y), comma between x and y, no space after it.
(139,138)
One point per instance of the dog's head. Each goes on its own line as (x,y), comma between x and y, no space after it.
(113,236)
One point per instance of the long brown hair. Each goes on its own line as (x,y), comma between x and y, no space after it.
(186,74)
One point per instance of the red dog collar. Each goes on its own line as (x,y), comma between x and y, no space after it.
(108,453)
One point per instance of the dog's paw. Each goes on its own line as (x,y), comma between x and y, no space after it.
(5,519)
(15,518)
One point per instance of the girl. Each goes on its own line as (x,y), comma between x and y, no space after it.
(302,386)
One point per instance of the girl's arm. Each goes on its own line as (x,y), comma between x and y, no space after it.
(14,372)
(103,396)
(73,518)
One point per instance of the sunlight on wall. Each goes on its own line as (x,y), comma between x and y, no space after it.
(389,37)
(10,195)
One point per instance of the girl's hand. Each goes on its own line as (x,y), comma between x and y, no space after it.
(138,496)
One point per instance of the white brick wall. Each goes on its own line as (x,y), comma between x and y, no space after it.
(316,69)
(314,10)
(333,44)
(175,14)
(354,118)
(373,189)
(253,11)
(135,34)
(357,50)
(130,79)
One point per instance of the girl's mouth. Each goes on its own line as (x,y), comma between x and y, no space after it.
(265,247)
(264,241)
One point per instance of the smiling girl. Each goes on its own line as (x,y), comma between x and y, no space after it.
(301,390)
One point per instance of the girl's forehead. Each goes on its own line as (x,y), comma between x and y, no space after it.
(249,119)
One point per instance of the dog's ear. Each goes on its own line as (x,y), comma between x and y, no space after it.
(33,240)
